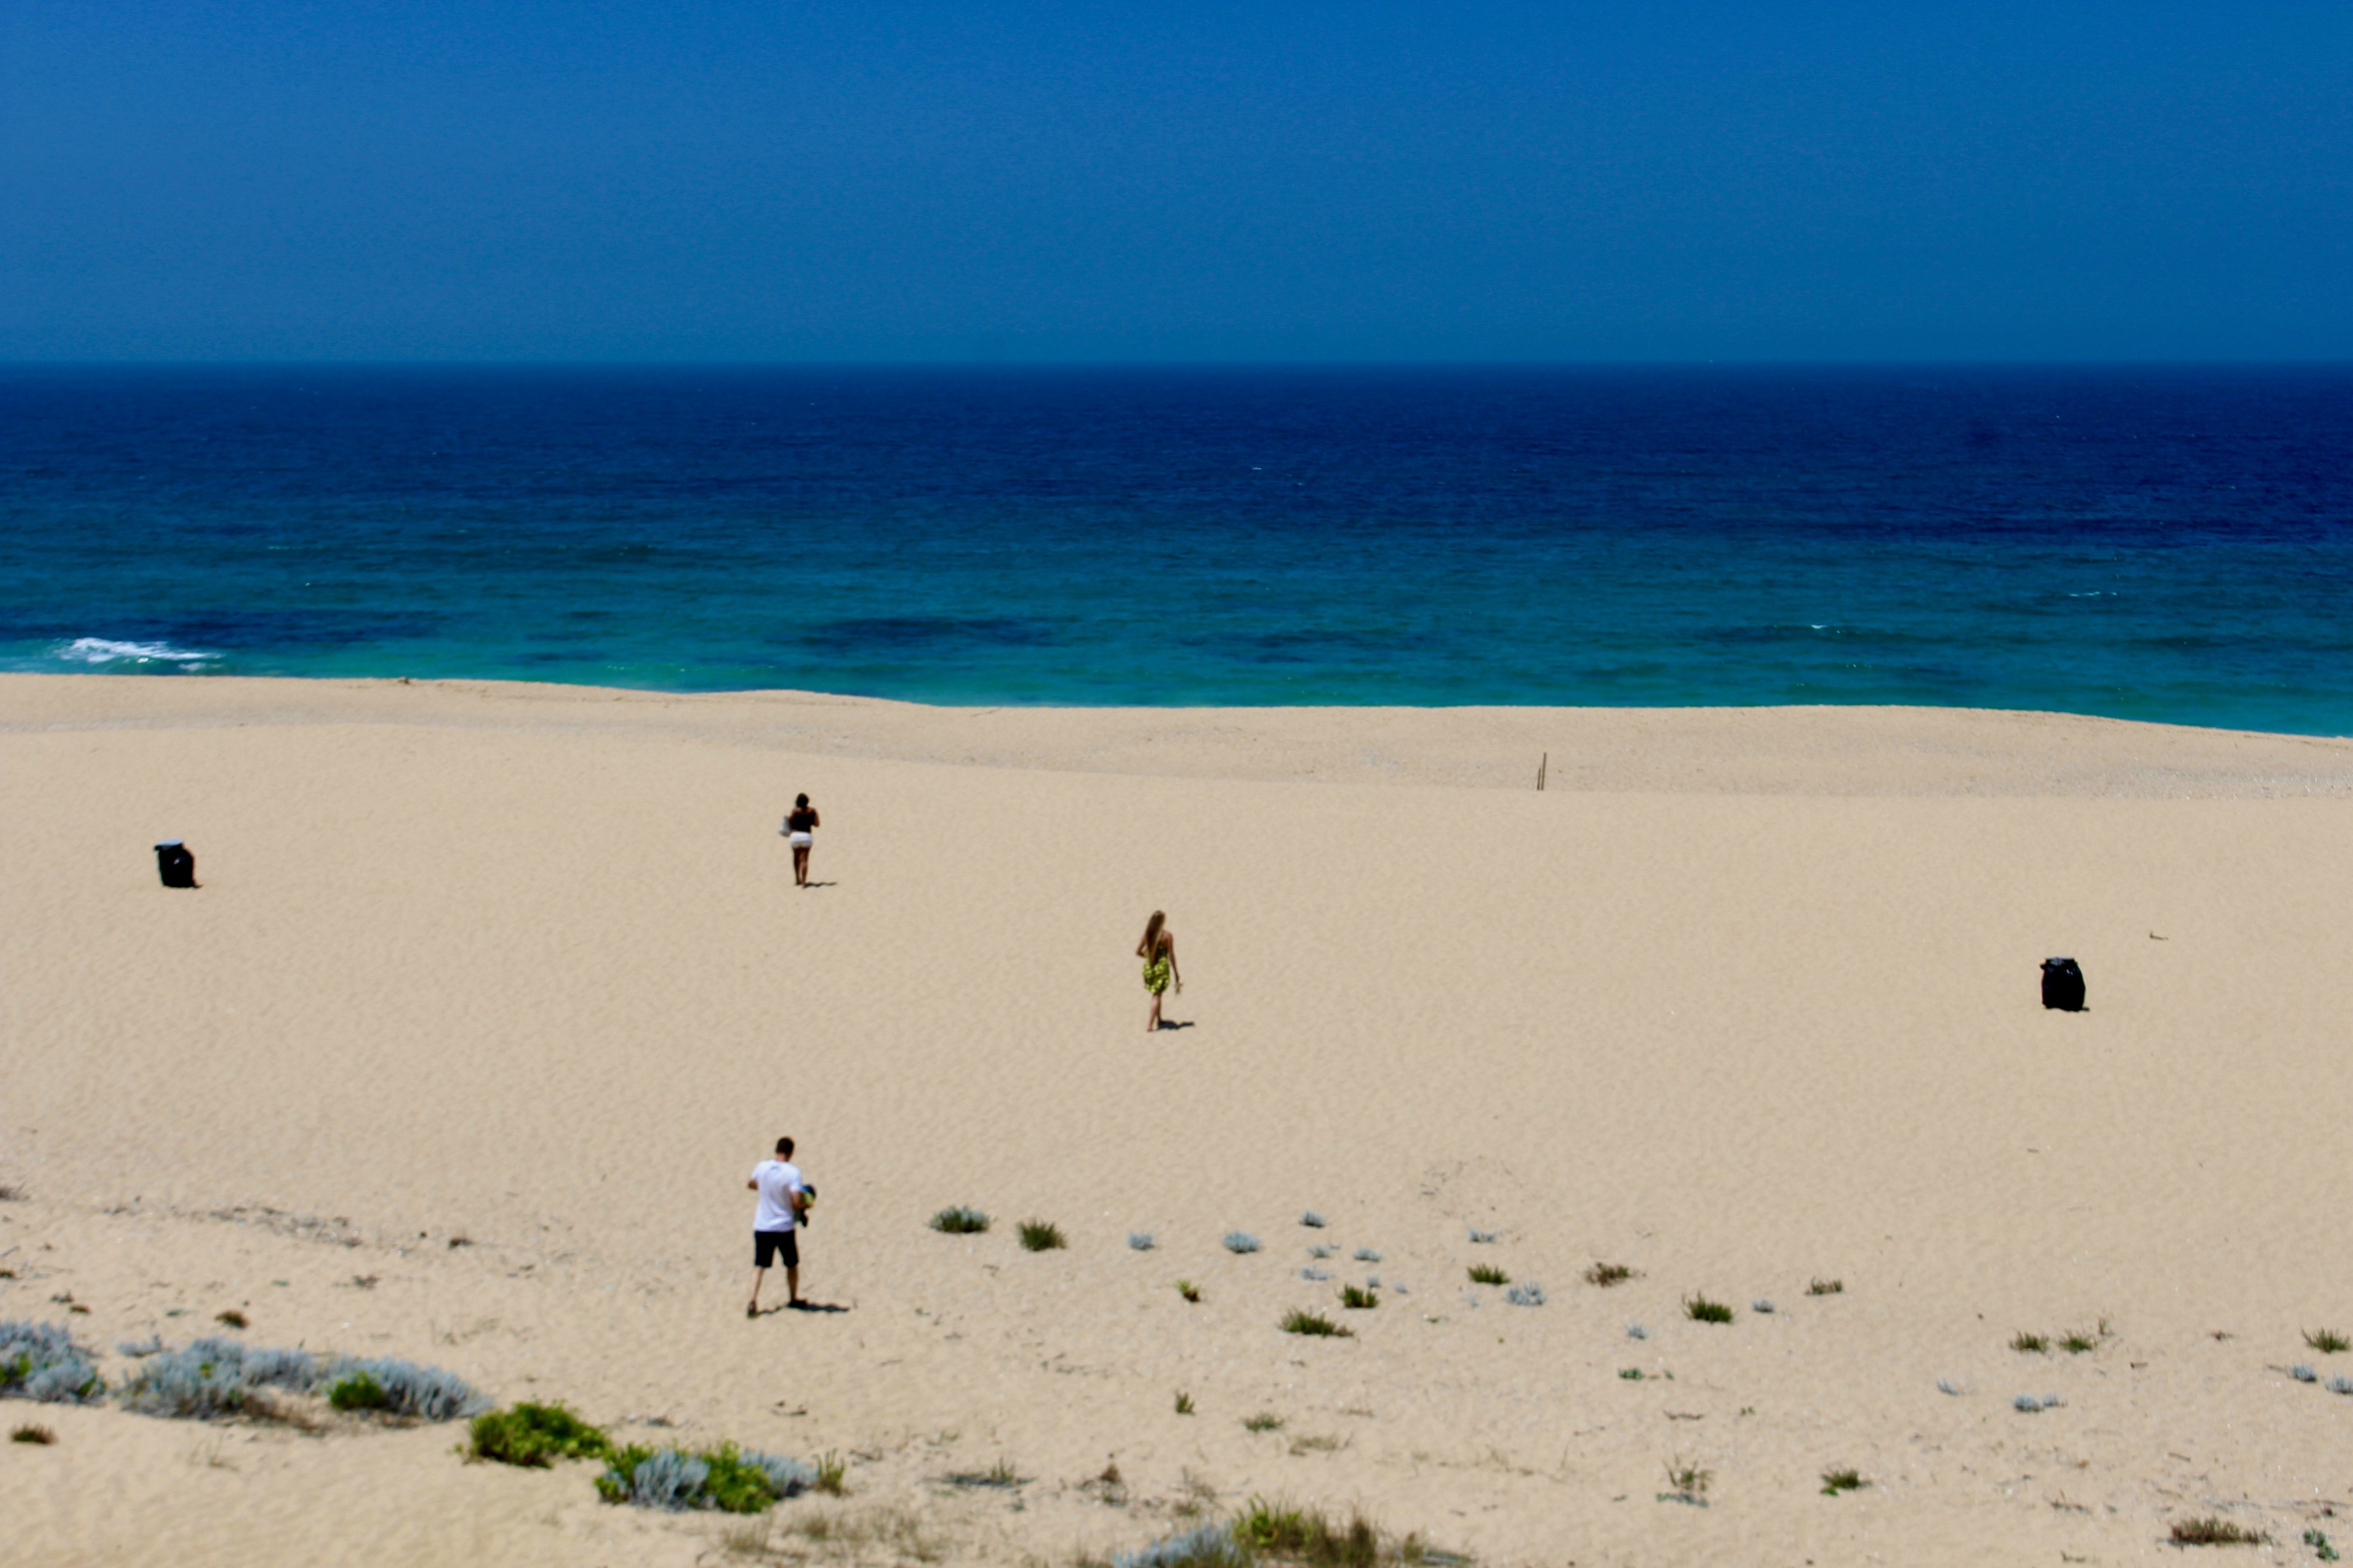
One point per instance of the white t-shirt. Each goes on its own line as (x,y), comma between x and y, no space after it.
(777,1182)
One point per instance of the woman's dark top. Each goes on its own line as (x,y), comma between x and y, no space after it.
(801,821)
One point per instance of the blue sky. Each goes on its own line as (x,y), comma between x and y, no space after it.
(611,180)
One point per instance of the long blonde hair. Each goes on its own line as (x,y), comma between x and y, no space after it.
(1149,948)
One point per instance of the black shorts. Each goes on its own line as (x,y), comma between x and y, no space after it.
(767,1245)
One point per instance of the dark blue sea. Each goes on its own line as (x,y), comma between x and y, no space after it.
(2173,544)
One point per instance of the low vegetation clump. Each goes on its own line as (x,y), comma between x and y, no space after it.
(2211,1532)
(1000,1475)
(1313,1325)
(1483,1238)
(1700,1310)
(232,1318)
(725,1479)
(213,1378)
(1630,1373)
(1316,1276)
(2319,1540)
(1820,1287)
(535,1436)
(2075,1341)
(2327,1341)
(40,1362)
(1183,1403)
(1264,1421)
(1608,1274)
(1187,1289)
(832,1475)
(2027,1405)
(1272,1533)
(40,1435)
(1239,1241)
(1312,1220)
(1686,1483)
(1366,1255)
(2026,1343)
(960,1221)
(1356,1298)
(1837,1481)
(1041,1235)
(1488,1274)
(1525,1295)
(1141,1240)
(2303,1373)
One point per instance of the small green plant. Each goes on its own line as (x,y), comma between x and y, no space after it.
(2075,1341)
(1187,1289)
(2025,1343)
(1820,1287)
(1837,1481)
(1700,1310)
(726,1478)
(960,1221)
(1357,1299)
(40,1435)
(1183,1403)
(833,1473)
(1608,1274)
(1488,1274)
(357,1391)
(1296,1535)
(535,1435)
(2318,1541)
(2327,1341)
(231,1318)
(1313,1325)
(1264,1421)
(1000,1475)
(1630,1373)
(1040,1235)
(1687,1483)
(2212,1531)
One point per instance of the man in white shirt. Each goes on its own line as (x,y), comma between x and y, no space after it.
(782,1199)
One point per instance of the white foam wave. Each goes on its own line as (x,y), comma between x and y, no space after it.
(107,650)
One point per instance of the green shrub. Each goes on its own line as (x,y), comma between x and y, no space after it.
(357,1391)
(1608,1274)
(1356,1298)
(1820,1287)
(1700,1310)
(2327,1341)
(2215,1533)
(2025,1343)
(1314,1324)
(1837,1481)
(1037,1236)
(1488,1274)
(535,1436)
(960,1221)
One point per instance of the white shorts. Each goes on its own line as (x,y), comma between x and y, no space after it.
(800,840)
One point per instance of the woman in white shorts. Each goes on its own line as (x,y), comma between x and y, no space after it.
(799,822)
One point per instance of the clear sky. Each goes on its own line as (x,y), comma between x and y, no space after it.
(872,180)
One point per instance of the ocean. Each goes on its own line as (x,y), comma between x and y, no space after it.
(2160,543)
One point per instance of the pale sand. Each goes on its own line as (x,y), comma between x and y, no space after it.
(1743,999)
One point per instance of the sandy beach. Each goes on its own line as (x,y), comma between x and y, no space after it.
(492,996)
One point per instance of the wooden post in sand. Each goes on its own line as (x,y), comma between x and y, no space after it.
(1540,769)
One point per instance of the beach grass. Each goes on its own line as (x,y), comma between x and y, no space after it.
(1837,1481)
(1313,1325)
(2211,1531)
(1264,1421)
(1041,1235)
(2028,1344)
(1699,1309)
(960,1220)
(1187,1289)
(1608,1274)
(2327,1341)
(32,1434)
(1818,1286)
(1488,1274)
(1183,1403)
(1356,1298)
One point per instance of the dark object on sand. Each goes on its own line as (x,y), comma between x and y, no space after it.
(2063,985)
(177,866)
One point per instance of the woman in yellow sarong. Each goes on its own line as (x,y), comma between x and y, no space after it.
(1159,951)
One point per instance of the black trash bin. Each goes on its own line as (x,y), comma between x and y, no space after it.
(2063,985)
(174,863)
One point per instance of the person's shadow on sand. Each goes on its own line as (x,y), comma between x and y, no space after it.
(1176,1023)
(804,1307)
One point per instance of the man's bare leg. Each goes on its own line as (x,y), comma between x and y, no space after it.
(757,1275)
(792,1285)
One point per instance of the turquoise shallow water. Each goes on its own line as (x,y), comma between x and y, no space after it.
(2166,544)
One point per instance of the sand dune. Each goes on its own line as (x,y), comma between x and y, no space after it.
(1743,1000)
